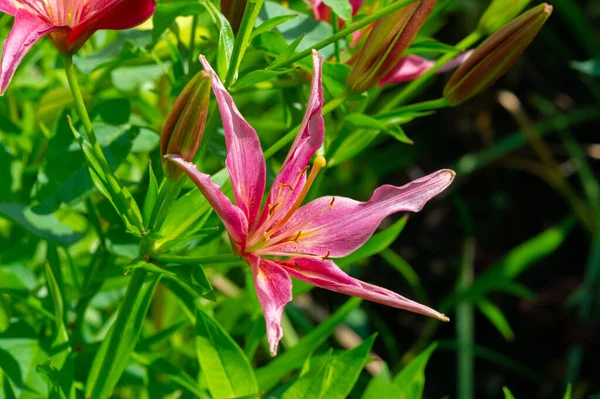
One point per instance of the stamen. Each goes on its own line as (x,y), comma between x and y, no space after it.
(273,207)
(331,203)
(317,166)
(324,258)
(297,237)
(286,185)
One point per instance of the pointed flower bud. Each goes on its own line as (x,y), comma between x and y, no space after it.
(184,127)
(386,44)
(490,61)
(234,12)
(498,13)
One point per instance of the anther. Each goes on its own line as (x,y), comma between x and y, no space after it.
(273,207)
(331,203)
(297,237)
(303,170)
(324,258)
(286,185)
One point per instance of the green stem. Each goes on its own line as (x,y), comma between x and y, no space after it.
(167,194)
(336,44)
(465,327)
(343,33)
(118,193)
(191,52)
(416,85)
(422,106)
(243,38)
(186,260)
(289,136)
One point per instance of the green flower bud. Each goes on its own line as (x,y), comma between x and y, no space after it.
(234,12)
(490,61)
(498,13)
(184,127)
(386,44)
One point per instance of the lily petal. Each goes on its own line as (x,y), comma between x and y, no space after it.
(337,226)
(412,66)
(245,160)
(126,14)
(8,7)
(26,31)
(328,275)
(233,218)
(309,139)
(274,290)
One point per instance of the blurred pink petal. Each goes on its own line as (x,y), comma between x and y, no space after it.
(69,25)
(26,31)
(412,66)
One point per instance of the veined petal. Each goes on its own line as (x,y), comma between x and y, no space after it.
(26,31)
(245,159)
(328,275)
(337,226)
(274,290)
(233,218)
(126,14)
(309,139)
(8,7)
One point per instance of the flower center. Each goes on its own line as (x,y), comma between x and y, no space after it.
(263,234)
(59,12)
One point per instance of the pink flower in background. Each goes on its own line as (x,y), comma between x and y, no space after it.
(308,236)
(323,12)
(69,23)
(412,66)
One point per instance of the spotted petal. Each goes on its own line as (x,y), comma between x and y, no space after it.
(274,290)
(26,31)
(337,226)
(328,275)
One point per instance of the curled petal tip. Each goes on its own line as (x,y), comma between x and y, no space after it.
(444,318)
(548,8)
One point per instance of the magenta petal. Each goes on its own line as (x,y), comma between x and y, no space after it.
(338,229)
(126,14)
(274,290)
(309,139)
(8,7)
(26,31)
(245,159)
(328,275)
(233,218)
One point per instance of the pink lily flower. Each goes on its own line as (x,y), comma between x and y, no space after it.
(413,66)
(323,12)
(309,236)
(69,23)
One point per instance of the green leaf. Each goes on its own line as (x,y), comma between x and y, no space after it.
(341,8)
(166,13)
(568,392)
(507,393)
(428,46)
(312,382)
(224,365)
(346,368)
(589,67)
(270,375)
(271,23)
(381,386)
(151,196)
(226,39)
(411,380)
(496,317)
(45,226)
(259,76)
(113,356)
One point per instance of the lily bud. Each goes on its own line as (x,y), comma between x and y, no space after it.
(490,61)
(498,13)
(234,12)
(184,127)
(386,44)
